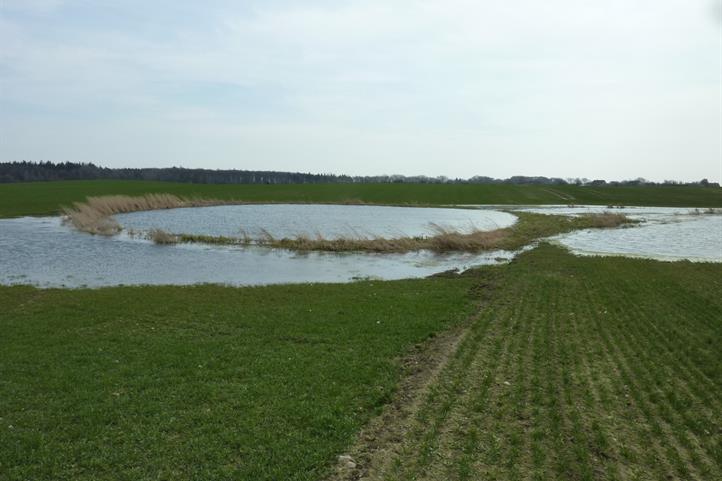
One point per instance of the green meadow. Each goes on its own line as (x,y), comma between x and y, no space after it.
(45,198)
(203,382)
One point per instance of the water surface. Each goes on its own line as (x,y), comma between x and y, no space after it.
(694,238)
(329,221)
(43,252)
(46,253)
(663,233)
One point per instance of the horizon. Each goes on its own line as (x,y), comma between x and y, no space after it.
(569,179)
(455,89)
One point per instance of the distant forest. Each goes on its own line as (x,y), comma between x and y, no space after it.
(46,171)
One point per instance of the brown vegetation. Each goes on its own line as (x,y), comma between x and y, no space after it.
(160,236)
(95,215)
(606,220)
(529,228)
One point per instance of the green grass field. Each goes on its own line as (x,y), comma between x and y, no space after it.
(207,382)
(575,368)
(44,198)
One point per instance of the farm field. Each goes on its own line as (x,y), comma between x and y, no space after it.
(569,368)
(45,198)
(577,369)
(203,382)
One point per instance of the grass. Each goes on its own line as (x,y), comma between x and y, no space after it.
(576,368)
(46,198)
(579,369)
(203,382)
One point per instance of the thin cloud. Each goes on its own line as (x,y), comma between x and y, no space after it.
(421,87)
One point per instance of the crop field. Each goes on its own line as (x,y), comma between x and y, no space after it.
(46,198)
(203,382)
(569,368)
(552,367)
(577,369)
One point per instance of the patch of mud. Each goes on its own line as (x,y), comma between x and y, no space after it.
(380,439)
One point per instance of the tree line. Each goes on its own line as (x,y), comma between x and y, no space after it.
(26,171)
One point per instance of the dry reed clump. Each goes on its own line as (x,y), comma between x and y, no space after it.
(95,214)
(445,240)
(87,219)
(529,228)
(605,220)
(160,236)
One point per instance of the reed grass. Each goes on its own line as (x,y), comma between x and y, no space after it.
(95,215)
(605,220)
(528,228)
(162,237)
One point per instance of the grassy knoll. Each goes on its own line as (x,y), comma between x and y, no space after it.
(578,369)
(205,382)
(39,198)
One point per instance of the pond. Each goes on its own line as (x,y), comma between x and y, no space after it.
(329,221)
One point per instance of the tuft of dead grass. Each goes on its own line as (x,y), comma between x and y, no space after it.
(87,219)
(529,227)
(95,215)
(160,236)
(605,220)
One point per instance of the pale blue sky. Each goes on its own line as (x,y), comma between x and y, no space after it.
(569,88)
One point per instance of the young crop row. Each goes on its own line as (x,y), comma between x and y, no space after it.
(578,369)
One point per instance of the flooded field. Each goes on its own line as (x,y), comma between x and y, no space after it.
(44,252)
(329,221)
(664,233)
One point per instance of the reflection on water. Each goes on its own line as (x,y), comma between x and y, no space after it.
(330,221)
(42,252)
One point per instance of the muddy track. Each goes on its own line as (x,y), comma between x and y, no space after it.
(381,441)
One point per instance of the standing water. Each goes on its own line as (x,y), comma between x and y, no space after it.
(44,252)
(663,233)
(328,221)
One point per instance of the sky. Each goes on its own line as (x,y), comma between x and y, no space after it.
(615,90)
